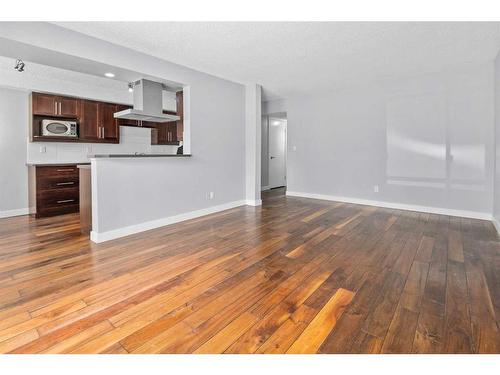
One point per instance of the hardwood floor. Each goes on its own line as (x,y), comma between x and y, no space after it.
(295,276)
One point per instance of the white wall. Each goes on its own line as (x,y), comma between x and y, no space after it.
(496,208)
(13,135)
(274,107)
(426,141)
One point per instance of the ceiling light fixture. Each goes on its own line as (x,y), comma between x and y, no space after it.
(19,65)
(109,75)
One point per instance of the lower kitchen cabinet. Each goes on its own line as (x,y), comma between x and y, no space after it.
(53,190)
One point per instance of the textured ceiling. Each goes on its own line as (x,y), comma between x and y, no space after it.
(290,59)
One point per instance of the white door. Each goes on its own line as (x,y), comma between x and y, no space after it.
(277,153)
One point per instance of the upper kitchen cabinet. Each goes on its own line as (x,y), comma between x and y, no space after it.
(110,132)
(164,134)
(54,105)
(44,104)
(68,107)
(97,123)
(170,133)
(89,121)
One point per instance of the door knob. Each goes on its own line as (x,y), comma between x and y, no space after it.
(273,157)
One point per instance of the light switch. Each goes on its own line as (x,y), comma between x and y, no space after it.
(43,149)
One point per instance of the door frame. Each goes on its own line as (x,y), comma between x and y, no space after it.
(276,117)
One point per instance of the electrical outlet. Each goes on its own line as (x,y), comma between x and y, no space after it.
(43,149)
(375,188)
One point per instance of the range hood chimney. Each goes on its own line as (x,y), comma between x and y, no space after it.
(148,104)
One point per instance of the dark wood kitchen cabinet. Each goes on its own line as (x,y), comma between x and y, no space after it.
(68,107)
(53,190)
(164,133)
(110,132)
(54,105)
(170,133)
(44,104)
(97,122)
(89,129)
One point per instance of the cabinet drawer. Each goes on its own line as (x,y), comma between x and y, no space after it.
(57,210)
(57,182)
(59,197)
(63,170)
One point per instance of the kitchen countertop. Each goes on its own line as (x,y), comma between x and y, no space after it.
(35,164)
(139,156)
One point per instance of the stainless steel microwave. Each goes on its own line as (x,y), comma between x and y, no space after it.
(58,128)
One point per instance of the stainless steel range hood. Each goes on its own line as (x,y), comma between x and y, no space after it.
(148,104)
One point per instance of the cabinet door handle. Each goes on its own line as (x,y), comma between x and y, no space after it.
(65,183)
(55,108)
(66,170)
(103,136)
(60,108)
(66,201)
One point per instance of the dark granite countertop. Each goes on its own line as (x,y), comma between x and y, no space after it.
(139,156)
(36,164)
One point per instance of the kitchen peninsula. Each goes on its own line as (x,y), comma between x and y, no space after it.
(133,193)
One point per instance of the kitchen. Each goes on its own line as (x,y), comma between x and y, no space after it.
(65,132)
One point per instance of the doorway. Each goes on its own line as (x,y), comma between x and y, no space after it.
(274,139)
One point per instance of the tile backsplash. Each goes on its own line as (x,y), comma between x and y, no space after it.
(132,140)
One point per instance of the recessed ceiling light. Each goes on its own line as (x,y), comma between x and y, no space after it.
(109,75)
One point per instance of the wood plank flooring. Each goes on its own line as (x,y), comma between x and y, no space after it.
(293,276)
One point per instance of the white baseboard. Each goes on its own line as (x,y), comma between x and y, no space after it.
(132,229)
(264,188)
(253,202)
(496,224)
(11,213)
(397,206)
